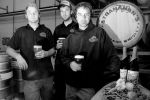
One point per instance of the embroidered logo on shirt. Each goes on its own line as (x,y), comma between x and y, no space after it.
(93,39)
(71,30)
(42,34)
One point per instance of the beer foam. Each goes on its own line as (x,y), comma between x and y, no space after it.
(37,46)
(61,38)
(79,56)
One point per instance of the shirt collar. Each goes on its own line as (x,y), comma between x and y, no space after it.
(69,25)
(29,27)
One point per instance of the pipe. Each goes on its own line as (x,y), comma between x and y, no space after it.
(58,1)
(4,8)
(42,9)
(39,7)
(13,17)
(55,15)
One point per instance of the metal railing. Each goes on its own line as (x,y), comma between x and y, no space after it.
(42,9)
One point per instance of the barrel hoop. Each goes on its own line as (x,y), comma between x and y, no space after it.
(4,88)
(5,76)
(5,71)
(4,66)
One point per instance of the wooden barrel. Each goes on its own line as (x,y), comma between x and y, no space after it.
(17,77)
(105,94)
(123,22)
(5,77)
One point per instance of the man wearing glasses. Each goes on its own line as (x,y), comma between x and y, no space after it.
(100,63)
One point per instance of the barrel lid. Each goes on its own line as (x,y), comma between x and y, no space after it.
(124,23)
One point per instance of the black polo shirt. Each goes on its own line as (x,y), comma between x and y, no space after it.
(24,39)
(63,31)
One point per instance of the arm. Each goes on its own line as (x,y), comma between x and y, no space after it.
(67,58)
(64,54)
(56,35)
(13,45)
(42,54)
(49,52)
(10,51)
(112,62)
(20,60)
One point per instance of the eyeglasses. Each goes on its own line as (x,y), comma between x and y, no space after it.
(83,15)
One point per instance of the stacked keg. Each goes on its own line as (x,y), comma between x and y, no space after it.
(5,76)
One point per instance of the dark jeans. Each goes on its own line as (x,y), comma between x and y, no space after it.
(59,80)
(73,93)
(38,89)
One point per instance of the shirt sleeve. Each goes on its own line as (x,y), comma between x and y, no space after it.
(15,40)
(112,61)
(66,58)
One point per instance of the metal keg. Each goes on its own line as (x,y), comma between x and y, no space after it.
(5,76)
